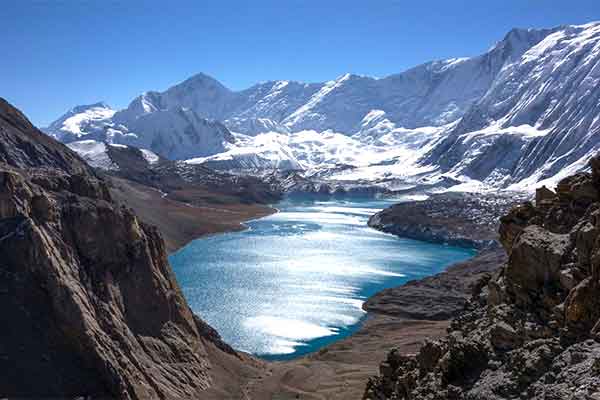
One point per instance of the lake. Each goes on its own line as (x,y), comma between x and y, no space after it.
(295,281)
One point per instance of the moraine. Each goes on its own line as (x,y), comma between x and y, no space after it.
(296,280)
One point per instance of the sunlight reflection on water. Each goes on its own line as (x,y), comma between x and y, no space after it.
(297,279)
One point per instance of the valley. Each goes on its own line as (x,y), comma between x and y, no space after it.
(431,233)
(296,281)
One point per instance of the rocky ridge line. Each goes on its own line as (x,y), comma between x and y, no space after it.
(91,305)
(533,330)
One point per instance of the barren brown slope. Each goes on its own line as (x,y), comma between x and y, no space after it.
(181,222)
(186,201)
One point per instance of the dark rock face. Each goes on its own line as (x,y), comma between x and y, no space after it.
(439,297)
(186,181)
(23,146)
(531,332)
(89,301)
(459,219)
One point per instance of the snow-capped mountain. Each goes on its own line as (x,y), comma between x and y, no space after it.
(540,116)
(515,115)
(80,122)
(174,133)
(101,155)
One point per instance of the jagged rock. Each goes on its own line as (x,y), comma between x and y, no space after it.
(585,235)
(534,263)
(578,189)
(429,355)
(595,166)
(513,223)
(582,306)
(567,279)
(544,197)
(536,335)
(504,336)
(90,304)
(463,362)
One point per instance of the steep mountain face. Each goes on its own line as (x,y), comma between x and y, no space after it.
(531,330)
(89,301)
(176,133)
(273,101)
(541,115)
(23,146)
(520,113)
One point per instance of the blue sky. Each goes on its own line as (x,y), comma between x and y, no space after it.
(58,54)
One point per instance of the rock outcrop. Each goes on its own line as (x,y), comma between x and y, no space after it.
(89,302)
(459,219)
(531,332)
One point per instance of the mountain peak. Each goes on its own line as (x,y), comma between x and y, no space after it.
(84,107)
(518,40)
(201,80)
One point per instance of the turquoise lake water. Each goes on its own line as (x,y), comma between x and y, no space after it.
(295,281)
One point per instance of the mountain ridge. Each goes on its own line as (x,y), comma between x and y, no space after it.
(488,116)
(90,302)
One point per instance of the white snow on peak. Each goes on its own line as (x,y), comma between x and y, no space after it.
(371,117)
(147,105)
(329,87)
(77,121)
(524,111)
(94,153)
(280,85)
(149,156)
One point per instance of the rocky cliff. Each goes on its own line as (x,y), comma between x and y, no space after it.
(533,330)
(458,219)
(88,299)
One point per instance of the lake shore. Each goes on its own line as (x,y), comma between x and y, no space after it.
(180,222)
(401,317)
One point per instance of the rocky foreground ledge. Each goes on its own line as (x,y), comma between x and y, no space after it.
(533,330)
(89,304)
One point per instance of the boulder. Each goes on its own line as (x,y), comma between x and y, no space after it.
(429,355)
(534,263)
(504,337)
(463,362)
(582,307)
(513,223)
(544,197)
(585,235)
